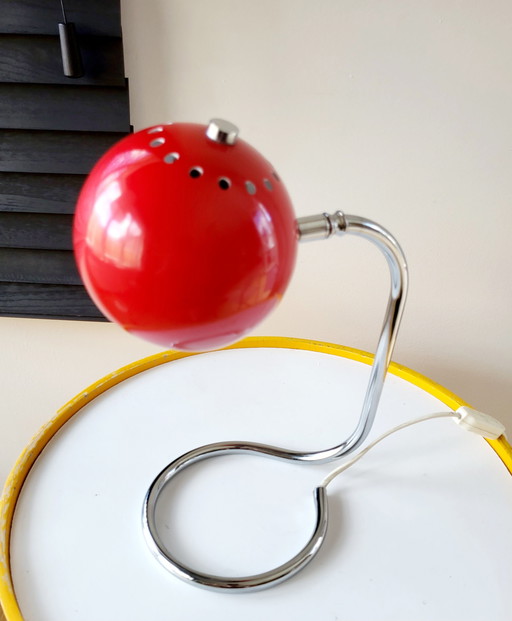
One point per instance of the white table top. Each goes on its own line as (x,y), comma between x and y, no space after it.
(419,529)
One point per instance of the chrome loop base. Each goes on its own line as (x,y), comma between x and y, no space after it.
(210,581)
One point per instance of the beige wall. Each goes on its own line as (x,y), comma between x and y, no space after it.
(399,111)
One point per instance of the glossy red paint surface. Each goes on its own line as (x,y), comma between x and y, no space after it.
(188,262)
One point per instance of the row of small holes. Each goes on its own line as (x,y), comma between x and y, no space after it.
(224,182)
(197,171)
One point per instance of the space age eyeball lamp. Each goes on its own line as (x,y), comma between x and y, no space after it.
(185,235)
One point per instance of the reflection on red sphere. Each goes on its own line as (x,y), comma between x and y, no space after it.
(184,241)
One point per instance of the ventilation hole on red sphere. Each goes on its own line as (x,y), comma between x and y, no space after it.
(196,172)
(157,142)
(155,130)
(250,187)
(268,184)
(276,176)
(170,158)
(224,183)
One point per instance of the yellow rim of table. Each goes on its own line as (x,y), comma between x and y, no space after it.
(29,455)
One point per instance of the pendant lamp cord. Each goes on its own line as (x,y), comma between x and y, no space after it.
(63,12)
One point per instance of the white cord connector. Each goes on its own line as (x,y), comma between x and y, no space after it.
(480,423)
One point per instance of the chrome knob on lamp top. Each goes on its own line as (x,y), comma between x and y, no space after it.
(190,244)
(222,131)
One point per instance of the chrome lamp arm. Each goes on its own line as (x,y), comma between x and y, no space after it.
(309,228)
(323,226)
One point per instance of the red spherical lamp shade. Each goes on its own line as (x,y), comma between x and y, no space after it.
(185,235)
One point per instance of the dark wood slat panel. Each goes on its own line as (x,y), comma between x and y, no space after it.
(39,193)
(57,152)
(97,17)
(56,267)
(50,137)
(58,107)
(52,301)
(39,231)
(37,59)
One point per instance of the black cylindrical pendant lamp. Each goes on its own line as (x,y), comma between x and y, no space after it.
(71,56)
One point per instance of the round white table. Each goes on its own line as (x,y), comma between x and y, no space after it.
(419,529)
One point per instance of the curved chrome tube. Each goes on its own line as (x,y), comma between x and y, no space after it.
(310,228)
(322,227)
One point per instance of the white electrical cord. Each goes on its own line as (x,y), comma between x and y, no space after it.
(469,419)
